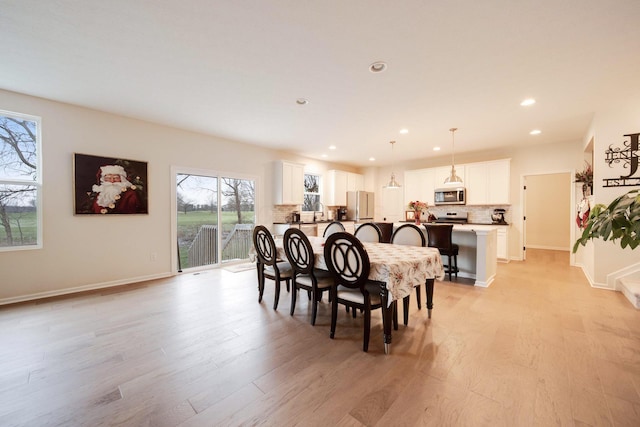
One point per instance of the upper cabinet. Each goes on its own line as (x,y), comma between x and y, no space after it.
(337,185)
(289,183)
(487,183)
(355,182)
(419,185)
(477,184)
(499,182)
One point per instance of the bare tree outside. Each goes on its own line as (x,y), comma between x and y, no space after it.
(208,233)
(18,180)
(311,192)
(239,195)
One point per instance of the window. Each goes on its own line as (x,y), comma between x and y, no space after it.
(20,182)
(312,197)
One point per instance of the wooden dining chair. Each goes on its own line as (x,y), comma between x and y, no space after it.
(368,232)
(302,259)
(409,235)
(386,228)
(440,236)
(348,262)
(333,227)
(268,265)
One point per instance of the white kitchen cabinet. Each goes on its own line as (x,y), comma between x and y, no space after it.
(419,185)
(336,188)
(349,227)
(503,243)
(355,181)
(477,184)
(279,229)
(289,183)
(338,183)
(309,229)
(499,181)
(487,183)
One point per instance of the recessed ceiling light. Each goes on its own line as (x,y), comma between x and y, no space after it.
(302,101)
(324,156)
(535,132)
(527,102)
(372,159)
(378,67)
(404,131)
(332,147)
(436,148)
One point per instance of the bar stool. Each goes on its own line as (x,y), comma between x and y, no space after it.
(439,236)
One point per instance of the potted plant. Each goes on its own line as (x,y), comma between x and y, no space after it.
(619,220)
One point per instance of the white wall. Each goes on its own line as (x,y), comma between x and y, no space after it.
(83,252)
(608,129)
(548,205)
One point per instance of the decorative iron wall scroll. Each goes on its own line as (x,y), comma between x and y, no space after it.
(628,156)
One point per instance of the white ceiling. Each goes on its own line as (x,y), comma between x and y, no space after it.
(235,68)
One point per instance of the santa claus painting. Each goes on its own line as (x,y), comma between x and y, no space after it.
(117,188)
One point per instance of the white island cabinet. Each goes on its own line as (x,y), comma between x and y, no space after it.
(503,243)
(477,257)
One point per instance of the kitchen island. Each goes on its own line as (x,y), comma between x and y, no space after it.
(477,258)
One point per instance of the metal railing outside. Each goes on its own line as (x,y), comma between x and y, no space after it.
(235,245)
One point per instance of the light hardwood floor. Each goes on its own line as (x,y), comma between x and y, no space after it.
(537,348)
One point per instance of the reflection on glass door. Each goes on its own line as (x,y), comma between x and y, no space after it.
(237,217)
(215,219)
(197,204)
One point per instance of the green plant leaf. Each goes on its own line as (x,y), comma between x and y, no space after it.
(619,220)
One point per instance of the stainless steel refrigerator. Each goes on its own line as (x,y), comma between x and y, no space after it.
(360,205)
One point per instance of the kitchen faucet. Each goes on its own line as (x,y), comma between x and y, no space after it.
(321,206)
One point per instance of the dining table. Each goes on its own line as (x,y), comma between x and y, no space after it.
(399,269)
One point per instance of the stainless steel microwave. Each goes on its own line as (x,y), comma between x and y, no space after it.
(450,196)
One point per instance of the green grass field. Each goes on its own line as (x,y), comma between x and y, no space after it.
(24,228)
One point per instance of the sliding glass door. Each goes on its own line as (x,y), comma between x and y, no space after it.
(215,216)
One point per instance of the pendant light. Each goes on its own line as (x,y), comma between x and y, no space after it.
(453,178)
(392,182)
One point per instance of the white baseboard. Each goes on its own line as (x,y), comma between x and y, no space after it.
(549,248)
(485,284)
(91,287)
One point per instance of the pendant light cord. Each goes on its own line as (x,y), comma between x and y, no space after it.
(453,150)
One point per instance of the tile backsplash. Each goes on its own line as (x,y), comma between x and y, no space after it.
(282,213)
(475,214)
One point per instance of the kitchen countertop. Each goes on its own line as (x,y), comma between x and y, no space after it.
(459,223)
(311,222)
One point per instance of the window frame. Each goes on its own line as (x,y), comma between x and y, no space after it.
(38,182)
(305,192)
